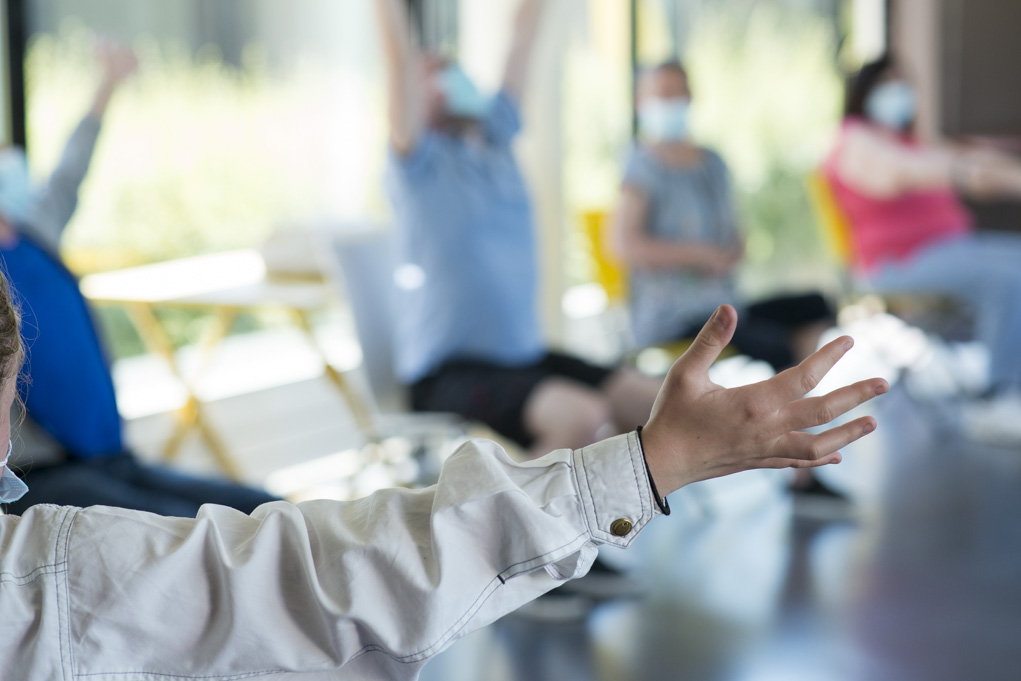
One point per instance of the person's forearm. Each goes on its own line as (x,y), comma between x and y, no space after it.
(319,586)
(926,169)
(527,21)
(1010,181)
(875,165)
(987,173)
(400,58)
(650,253)
(879,168)
(101,100)
(395,32)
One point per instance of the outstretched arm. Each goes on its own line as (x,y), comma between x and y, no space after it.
(874,165)
(118,63)
(987,173)
(379,585)
(58,200)
(526,30)
(406,101)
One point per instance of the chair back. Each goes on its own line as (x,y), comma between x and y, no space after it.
(833,223)
(610,273)
(365,262)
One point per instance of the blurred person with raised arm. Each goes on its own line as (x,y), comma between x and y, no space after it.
(468,338)
(911,232)
(71,449)
(374,588)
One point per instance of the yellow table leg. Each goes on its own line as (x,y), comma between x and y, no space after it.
(354,401)
(190,415)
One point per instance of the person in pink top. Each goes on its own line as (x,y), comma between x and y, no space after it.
(910,230)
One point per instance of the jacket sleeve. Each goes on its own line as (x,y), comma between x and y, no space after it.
(309,588)
(58,199)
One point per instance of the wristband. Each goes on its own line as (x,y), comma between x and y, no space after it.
(662,502)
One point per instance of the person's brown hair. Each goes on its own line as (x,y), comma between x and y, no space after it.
(11,349)
(861,84)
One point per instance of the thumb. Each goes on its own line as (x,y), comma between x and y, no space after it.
(710,342)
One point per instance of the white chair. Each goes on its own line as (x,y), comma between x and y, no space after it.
(362,261)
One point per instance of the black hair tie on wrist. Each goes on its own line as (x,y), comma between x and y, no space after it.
(662,502)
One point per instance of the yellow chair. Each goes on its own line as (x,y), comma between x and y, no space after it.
(835,230)
(610,272)
(931,311)
(611,275)
(833,222)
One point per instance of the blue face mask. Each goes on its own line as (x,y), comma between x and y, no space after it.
(461,96)
(665,120)
(11,486)
(892,104)
(15,185)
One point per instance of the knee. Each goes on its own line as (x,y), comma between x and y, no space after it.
(595,420)
(570,415)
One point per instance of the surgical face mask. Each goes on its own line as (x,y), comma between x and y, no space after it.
(665,120)
(462,98)
(15,185)
(11,486)
(892,104)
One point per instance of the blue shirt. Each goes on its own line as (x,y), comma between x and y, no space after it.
(69,391)
(466,250)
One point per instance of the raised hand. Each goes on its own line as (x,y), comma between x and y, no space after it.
(699,430)
(117,61)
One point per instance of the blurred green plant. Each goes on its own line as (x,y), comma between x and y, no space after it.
(198,156)
(768,94)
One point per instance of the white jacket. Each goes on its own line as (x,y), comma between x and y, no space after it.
(369,589)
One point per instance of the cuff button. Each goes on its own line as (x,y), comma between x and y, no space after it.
(621,527)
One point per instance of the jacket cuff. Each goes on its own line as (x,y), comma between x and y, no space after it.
(613,485)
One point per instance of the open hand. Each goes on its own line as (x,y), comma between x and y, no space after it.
(117,61)
(699,430)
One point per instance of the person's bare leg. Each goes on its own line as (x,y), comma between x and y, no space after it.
(565,414)
(631,395)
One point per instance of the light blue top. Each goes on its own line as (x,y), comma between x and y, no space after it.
(466,250)
(688,205)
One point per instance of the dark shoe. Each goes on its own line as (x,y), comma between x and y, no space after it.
(818,501)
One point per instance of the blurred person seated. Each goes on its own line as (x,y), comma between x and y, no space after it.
(676,228)
(468,338)
(374,588)
(71,449)
(911,232)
